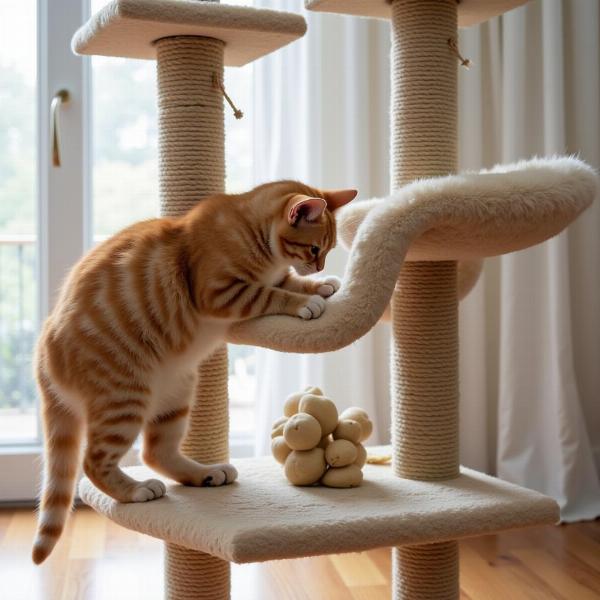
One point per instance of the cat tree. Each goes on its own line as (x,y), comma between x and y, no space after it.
(425,503)
(191,42)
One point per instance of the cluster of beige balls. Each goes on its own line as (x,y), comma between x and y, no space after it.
(316,445)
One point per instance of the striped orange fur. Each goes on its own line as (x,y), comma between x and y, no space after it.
(119,353)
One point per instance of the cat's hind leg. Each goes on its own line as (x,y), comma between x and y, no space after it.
(111,432)
(162,438)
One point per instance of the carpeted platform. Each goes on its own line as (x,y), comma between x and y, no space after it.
(470,12)
(460,217)
(130,28)
(263,517)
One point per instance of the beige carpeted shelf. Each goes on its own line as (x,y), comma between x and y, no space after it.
(130,28)
(263,517)
(470,12)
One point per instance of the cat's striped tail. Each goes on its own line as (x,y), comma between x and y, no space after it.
(62,444)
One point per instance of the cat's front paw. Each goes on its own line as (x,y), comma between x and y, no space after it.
(313,309)
(328,286)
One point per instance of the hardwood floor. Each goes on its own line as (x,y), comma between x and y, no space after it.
(98,560)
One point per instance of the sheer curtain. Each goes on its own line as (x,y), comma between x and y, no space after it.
(530,331)
(321,117)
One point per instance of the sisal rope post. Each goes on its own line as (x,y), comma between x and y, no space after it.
(428,572)
(424,305)
(192,166)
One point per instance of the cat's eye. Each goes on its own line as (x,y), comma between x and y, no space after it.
(314,250)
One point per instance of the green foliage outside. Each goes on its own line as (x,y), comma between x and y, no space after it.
(17,262)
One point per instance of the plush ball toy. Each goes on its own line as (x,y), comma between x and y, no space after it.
(361,457)
(278,427)
(358,414)
(280,449)
(348,429)
(315,444)
(341,453)
(293,400)
(322,409)
(302,432)
(305,468)
(344,477)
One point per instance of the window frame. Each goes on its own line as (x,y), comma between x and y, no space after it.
(62,220)
(64,205)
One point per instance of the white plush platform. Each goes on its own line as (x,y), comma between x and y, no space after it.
(129,28)
(470,12)
(459,217)
(263,517)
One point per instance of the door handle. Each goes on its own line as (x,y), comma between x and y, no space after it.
(61,97)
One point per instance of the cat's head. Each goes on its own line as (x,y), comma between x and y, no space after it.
(306,231)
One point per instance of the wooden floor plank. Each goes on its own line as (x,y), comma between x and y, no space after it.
(591,529)
(19,533)
(80,580)
(371,592)
(357,570)
(583,547)
(98,560)
(18,576)
(5,519)
(88,536)
(483,579)
(567,581)
(382,557)
(498,552)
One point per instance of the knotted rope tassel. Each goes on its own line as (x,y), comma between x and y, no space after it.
(218,83)
(465,62)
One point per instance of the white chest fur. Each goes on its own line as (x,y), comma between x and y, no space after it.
(273,275)
(171,379)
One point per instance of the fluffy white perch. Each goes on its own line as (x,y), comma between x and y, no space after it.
(130,28)
(459,217)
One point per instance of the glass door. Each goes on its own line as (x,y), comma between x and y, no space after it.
(18,220)
(41,208)
(51,213)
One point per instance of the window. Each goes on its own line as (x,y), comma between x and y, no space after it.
(108,180)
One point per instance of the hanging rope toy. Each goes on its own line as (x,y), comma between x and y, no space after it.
(465,62)
(218,83)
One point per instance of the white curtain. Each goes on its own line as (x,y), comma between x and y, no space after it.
(530,331)
(321,117)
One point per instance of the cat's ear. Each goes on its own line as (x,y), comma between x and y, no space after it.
(337,198)
(305,207)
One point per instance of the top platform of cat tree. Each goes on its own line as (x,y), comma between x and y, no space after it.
(470,12)
(130,28)
(263,517)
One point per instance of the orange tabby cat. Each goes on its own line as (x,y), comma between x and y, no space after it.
(119,353)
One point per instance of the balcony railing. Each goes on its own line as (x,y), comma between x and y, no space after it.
(18,324)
